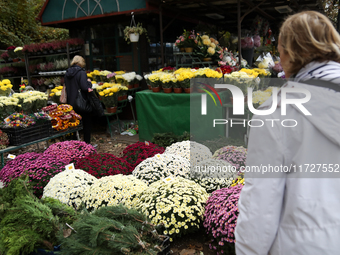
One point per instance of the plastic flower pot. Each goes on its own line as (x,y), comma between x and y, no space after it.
(111,109)
(156,89)
(134,37)
(136,85)
(167,90)
(178,90)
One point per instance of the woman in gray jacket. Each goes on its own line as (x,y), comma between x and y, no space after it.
(290,202)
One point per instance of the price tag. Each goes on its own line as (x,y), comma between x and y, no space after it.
(70,167)
(11,156)
(7,120)
(168,179)
(147,143)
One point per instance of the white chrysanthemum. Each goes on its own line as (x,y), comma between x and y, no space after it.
(161,166)
(113,190)
(177,204)
(214,174)
(192,151)
(69,186)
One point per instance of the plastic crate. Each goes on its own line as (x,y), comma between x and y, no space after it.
(18,136)
(166,247)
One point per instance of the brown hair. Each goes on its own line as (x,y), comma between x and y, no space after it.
(78,60)
(309,36)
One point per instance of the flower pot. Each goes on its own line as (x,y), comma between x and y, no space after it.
(111,109)
(130,86)
(120,98)
(182,49)
(149,87)
(136,85)
(167,90)
(206,59)
(156,89)
(189,49)
(178,90)
(187,90)
(200,91)
(134,37)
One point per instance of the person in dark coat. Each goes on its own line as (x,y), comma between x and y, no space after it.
(76,78)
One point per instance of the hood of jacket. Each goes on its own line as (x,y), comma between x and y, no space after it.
(323,105)
(72,71)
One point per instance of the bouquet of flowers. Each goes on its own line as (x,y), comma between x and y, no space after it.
(259,97)
(17,120)
(113,190)
(161,166)
(135,153)
(236,156)
(214,174)
(177,204)
(71,151)
(208,47)
(243,80)
(220,218)
(69,187)
(104,164)
(192,151)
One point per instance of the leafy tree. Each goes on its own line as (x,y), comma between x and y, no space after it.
(18,24)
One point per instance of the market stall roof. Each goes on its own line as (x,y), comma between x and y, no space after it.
(222,13)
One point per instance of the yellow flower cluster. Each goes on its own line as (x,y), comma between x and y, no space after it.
(261,72)
(185,74)
(56,91)
(238,181)
(178,205)
(5,85)
(167,77)
(209,73)
(119,72)
(109,89)
(251,72)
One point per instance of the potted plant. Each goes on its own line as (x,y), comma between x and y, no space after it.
(131,34)
(190,41)
(208,48)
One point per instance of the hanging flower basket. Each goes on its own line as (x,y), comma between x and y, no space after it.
(134,37)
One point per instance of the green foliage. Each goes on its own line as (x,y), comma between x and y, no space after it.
(18,24)
(166,139)
(25,222)
(112,230)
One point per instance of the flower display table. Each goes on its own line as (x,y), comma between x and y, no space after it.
(12,148)
(171,112)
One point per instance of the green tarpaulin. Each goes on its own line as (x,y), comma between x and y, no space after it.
(163,113)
